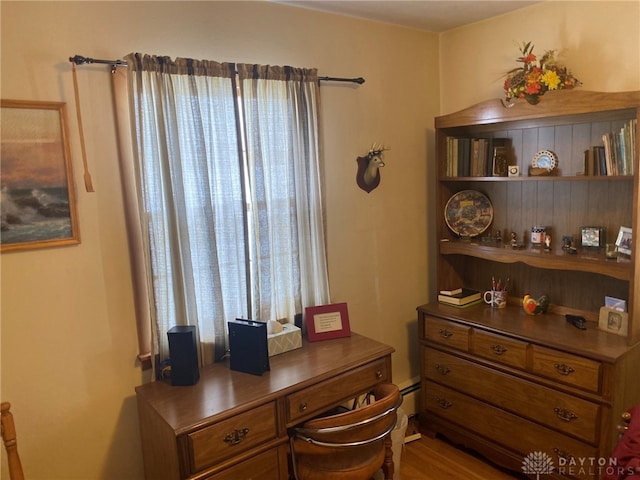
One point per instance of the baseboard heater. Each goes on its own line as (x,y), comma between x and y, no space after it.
(411,392)
(410,389)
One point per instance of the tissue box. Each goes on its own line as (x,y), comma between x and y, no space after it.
(289,338)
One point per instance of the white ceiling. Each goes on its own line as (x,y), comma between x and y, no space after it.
(429,15)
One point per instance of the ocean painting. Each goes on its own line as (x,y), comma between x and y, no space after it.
(37,204)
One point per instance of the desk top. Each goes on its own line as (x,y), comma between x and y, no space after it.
(223,392)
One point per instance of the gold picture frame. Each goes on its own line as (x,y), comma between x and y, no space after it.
(38,205)
(613,321)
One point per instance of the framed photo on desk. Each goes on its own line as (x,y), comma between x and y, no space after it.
(325,322)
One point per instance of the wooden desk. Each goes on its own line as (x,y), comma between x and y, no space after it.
(233,425)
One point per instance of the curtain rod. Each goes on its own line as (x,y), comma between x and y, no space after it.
(80,60)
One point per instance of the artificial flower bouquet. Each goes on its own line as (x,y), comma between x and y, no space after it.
(532,80)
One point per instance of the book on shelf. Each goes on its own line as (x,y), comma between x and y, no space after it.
(466,305)
(616,155)
(459,299)
(473,157)
(452,291)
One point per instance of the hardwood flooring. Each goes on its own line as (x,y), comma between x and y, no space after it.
(436,459)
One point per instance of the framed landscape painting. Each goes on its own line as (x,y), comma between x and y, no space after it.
(38,195)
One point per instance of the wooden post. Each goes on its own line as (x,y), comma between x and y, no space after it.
(10,442)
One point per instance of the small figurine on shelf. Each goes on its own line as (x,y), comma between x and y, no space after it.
(547,241)
(514,241)
(567,244)
(534,307)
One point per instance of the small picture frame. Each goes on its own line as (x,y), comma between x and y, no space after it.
(613,321)
(592,237)
(325,322)
(623,242)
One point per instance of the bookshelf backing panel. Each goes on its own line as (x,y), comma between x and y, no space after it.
(563,206)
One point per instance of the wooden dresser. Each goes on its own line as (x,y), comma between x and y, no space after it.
(233,425)
(508,384)
(522,388)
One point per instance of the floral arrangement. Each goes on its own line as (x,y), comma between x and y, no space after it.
(531,80)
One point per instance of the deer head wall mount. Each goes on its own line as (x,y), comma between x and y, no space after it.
(368,174)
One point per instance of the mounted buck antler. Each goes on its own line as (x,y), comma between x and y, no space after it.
(368,175)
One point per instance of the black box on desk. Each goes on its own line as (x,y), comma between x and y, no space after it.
(183,350)
(248,346)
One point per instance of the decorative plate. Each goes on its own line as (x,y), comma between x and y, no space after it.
(468,213)
(545,159)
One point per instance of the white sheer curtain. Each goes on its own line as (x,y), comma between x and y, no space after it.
(227,233)
(280,110)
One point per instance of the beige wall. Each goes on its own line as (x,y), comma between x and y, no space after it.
(597,40)
(67,332)
(68,335)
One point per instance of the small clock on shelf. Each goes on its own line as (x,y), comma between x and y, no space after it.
(543,163)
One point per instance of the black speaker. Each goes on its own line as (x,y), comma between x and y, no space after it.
(183,350)
(248,346)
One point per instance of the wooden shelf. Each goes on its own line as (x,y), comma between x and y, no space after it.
(560,107)
(582,261)
(542,178)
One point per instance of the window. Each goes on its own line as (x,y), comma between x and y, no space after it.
(226,162)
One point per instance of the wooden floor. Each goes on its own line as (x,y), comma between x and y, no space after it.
(436,459)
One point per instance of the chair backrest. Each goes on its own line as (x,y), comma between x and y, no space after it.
(626,453)
(363,430)
(10,442)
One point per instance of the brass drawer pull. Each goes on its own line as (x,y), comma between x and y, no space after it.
(498,349)
(237,436)
(444,403)
(563,369)
(303,406)
(562,453)
(444,333)
(379,374)
(442,369)
(564,414)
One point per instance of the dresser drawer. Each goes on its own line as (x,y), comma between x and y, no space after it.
(324,395)
(500,349)
(560,411)
(213,444)
(566,368)
(261,467)
(447,333)
(512,432)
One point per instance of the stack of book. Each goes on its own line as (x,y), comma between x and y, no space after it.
(459,297)
(474,157)
(616,155)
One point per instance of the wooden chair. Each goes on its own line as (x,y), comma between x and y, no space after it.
(626,452)
(10,442)
(348,446)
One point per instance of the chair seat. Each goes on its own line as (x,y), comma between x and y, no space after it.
(332,464)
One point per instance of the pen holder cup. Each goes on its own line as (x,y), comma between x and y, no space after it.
(496,298)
